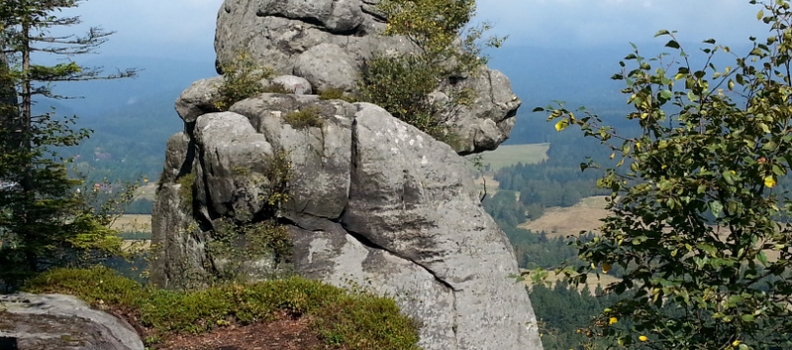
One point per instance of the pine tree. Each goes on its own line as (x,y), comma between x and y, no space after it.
(43,222)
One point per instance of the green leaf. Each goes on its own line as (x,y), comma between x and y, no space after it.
(716,207)
(760,15)
(762,258)
(662,32)
(672,44)
(709,249)
(747,318)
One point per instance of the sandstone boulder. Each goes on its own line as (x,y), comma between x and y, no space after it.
(295,84)
(375,202)
(61,322)
(327,42)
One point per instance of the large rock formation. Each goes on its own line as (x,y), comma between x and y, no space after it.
(373,202)
(327,41)
(61,322)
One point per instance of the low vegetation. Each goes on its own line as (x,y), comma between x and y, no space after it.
(336,94)
(242,78)
(403,84)
(343,320)
(307,117)
(694,198)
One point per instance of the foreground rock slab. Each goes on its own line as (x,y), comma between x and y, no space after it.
(61,322)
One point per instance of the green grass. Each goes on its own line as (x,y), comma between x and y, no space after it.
(508,155)
(344,320)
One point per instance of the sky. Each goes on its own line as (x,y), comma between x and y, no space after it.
(184,29)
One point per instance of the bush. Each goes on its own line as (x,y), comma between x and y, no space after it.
(344,320)
(237,245)
(186,183)
(403,84)
(242,79)
(304,118)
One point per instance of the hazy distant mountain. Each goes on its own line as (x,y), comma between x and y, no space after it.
(158,78)
(133,118)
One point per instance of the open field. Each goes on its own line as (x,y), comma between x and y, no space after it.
(146,192)
(133,223)
(508,155)
(563,222)
(591,281)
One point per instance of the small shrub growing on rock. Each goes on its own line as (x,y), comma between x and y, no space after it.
(276,88)
(242,79)
(304,118)
(279,175)
(343,320)
(336,94)
(402,84)
(239,246)
(186,182)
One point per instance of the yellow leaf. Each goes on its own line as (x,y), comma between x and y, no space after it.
(612,155)
(643,338)
(769,181)
(561,125)
(613,320)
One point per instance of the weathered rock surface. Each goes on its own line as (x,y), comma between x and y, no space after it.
(298,85)
(374,201)
(62,322)
(327,42)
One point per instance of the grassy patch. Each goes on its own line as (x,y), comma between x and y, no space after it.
(276,88)
(336,94)
(508,155)
(304,118)
(344,320)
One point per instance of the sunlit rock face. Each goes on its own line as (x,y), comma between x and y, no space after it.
(373,202)
(327,41)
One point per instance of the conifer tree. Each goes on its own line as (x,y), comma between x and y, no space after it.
(43,221)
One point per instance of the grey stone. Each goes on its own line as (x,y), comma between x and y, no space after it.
(320,156)
(179,253)
(488,121)
(198,99)
(234,160)
(301,38)
(276,40)
(62,322)
(413,197)
(375,202)
(338,16)
(327,66)
(299,86)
